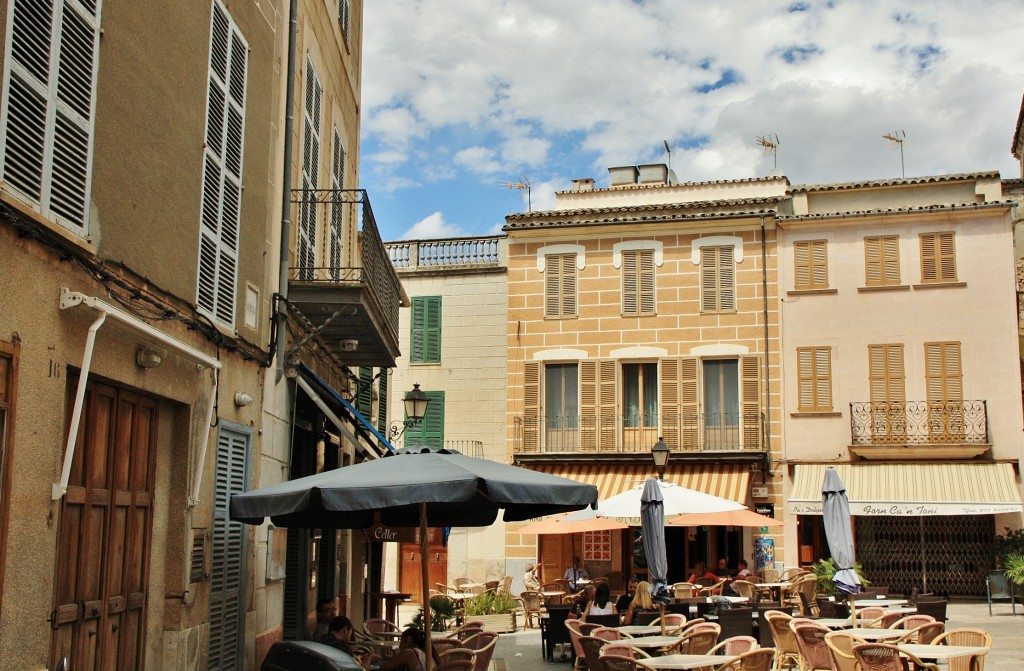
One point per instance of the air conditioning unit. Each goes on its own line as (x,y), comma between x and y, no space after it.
(759,492)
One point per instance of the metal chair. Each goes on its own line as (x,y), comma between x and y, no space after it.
(997,587)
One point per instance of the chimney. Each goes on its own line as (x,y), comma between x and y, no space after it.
(623,175)
(654,173)
(584,184)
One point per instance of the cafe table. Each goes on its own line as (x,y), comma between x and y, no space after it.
(884,603)
(941,652)
(639,629)
(552,595)
(650,641)
(875,633)
(681,661)
(834,622)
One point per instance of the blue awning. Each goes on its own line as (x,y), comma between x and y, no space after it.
(362,426)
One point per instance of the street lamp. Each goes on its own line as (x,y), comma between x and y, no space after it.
(660,454)
(415,409)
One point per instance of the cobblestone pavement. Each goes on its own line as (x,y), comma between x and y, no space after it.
(520,651)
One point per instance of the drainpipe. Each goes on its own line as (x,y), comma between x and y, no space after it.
(767,352)
(281,316)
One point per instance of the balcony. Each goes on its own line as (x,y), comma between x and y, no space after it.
(610,435)
(919,429)
(470,254)
(351,307)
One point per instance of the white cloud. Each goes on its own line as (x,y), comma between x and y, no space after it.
(477,89)
(433,226)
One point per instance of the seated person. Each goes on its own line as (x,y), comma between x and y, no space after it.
(325,610)
(623,601)
(340,634)
(641,602)
(743,574)
(601,604)
(530,580)
(575,573)
(701,571)
(581,602)
(410,656)
(722,570)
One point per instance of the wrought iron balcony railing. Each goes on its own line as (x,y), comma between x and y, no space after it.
(919,423)
(698,432)
(471,448)
(324,212)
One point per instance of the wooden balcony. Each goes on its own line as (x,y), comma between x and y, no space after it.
(351,309)
(591,435)
(919,429)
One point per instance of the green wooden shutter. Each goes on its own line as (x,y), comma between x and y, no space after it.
(431,430)
(382,403)
(364,396)
(425,340)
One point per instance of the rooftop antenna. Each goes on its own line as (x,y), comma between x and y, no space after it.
(522,184)
(668,150)
(897,137)
(770,143)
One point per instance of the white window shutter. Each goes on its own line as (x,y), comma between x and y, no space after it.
(310,173)
(337,205)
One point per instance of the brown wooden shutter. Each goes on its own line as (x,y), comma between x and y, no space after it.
(890,260)
(708,279)
(727,279)
(588,405)
(805,377)
(750,400)
(680,404)
(630,284)
(819,264)
(811,264)
(886,374)
(568,285)
(938,257)
(814,373)
(646,272)
(670,407)
(607,404)
(552,285)
(873,262)
(802,264)
(531,406)
(943,373)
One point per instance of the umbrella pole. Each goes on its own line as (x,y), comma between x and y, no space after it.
(424,594)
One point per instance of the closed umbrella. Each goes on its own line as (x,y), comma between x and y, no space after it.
(415,487)
(838,532)
(652,524)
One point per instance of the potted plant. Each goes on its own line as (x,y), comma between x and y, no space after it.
(442,610)
(825,569)
(497,610)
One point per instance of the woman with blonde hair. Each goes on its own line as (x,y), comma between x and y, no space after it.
(641,601)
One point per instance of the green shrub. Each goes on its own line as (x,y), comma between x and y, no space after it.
(442,610)
(825,569)
(1010,543)
(491,603)
(1013,567)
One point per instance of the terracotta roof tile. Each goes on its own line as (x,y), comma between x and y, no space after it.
(895,181)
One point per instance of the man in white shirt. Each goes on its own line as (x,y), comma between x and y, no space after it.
(530,578)
(575,573)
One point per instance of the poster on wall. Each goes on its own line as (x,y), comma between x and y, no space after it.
(277,545)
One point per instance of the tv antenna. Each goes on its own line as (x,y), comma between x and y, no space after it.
(897,137)
(668,150)
(522,184)
(770,143)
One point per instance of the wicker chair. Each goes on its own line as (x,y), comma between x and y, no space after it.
(700,639)
(786,651)
(734,645)
(443,645)
(591,646)
(736,622)
(607,633)
(455,654)
(769,575)
(745,588)
(484,644)
(936,609)
(886,621)
(755,660)
(868,614)
(885,657)
(714,589)
(792,573)
(925,634)
(810,641)
(972,637)
(673,623)
(623,650)
(912,621)
(840,647)
(454,665)
(533,606)
(616,663)
(577,630)
(684,590)
(378,628)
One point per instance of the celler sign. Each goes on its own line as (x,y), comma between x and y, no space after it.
(378,533)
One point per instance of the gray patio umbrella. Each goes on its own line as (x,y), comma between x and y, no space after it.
(652,525)
(415,487)
(838,532)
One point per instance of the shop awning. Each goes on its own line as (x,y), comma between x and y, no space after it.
(730,481)
(370,441)
(908,490)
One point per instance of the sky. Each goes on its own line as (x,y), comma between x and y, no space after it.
(462,97)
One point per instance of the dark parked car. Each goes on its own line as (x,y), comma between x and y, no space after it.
(307,656)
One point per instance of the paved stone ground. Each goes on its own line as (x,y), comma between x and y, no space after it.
(520,651)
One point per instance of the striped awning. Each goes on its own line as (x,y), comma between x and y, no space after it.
(729,481)
(906,490)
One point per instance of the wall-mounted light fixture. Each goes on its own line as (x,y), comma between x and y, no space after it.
(415,410)
(147,358)
(242,399)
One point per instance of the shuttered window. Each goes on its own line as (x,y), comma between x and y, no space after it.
(938,257)
(382,405)
(811,261)
(430,431)
(48,107)
(598,405)
(638,282)
(943,373)
(337,205)
(717,279)
(227,574)
(531,406)
(221,209)
(882,260)
(364,393)
(425,340)
(308,206)
(345,17)
(814,374)
(560,285)
(886,373)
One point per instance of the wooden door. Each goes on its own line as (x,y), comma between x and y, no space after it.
(553,560)
(103,540)
(412,571)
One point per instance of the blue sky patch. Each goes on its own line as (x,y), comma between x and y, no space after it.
(798,53)
(798,7)
(729,76)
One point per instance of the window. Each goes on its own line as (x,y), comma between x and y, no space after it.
(560,285)
(48,107)
(717,279)
(310,172)
(337,205)
(944,377)
(221,209)
(811,260)
(639,405)
(882,260)
(425,341)
(638,282)
(431,430)
(885,372)
(345,17)
(561,405)
(938,257)
(814,374)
